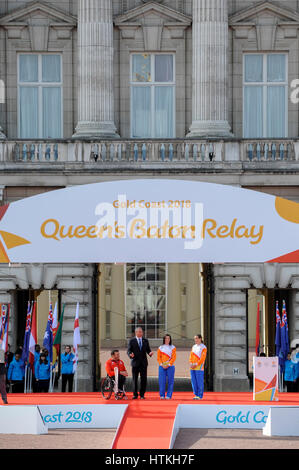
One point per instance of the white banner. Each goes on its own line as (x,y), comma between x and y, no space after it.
(223,416)
(83,416)
(150,220)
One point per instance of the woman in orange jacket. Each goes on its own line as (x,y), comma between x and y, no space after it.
(197,362)
(166,357)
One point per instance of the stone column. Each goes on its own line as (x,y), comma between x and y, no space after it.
(75,283)
(102,302)
(174,314)
(95,69)
(209,74)
(117,313)
(7,297)
(193,305)
(230,325)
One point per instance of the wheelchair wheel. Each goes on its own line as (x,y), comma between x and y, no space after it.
(106,388)
(119,395)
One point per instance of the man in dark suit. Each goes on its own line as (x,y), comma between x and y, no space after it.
(137,349)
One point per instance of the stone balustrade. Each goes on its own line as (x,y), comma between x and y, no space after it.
(158,151)
(266,150)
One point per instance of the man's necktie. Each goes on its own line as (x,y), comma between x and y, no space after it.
(140,343)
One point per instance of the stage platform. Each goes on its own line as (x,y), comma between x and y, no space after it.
(153,423)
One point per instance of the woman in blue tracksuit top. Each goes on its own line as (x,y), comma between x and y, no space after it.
(42,373)
(290,374)
(15,374)
(67,374)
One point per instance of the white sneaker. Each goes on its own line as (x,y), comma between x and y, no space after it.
(168,398)
(162,398)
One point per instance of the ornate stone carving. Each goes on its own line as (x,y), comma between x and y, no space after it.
(152,18)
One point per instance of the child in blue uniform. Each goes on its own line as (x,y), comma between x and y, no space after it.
(42,373)
(16,372)
(290,374)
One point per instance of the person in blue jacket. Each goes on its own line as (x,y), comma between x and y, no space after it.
(36,359)
(16,372)
(290,374)
(42,373)
(296,353)
(67,374)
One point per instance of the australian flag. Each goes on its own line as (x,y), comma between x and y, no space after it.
(278,332)
(48,336)
(25,351)
(284,330)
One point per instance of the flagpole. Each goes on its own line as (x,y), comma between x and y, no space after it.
(25,380)
(51,381)
(76,342)
(30,380)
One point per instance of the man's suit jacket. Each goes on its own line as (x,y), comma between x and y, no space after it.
(139,358)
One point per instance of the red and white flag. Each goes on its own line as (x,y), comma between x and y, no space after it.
(76,339)
(3,314)
(55,328)
(33,336)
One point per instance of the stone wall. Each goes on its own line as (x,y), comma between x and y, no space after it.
(75,284)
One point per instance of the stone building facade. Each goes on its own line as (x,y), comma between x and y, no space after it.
(101,90)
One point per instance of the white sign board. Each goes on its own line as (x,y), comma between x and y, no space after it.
(19,419)
(83,416)
(149,220)
(265,378)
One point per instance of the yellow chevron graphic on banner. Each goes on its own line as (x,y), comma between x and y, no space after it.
(11,240)
(3,256)
(288,210)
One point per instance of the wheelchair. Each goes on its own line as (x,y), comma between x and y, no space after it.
(109,386)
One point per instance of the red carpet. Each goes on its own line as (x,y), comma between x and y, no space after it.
(148,423)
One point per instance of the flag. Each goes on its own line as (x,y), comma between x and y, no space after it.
(57,339)
(25,351)
(6,326)
(54,329)
(76,339)
(3,319)
(33,337)
(257,334)
(48,336)
(284,331)
(278,332)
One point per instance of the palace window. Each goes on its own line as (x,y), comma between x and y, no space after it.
(265,95)
(146,299)
(39,96)
(152,96)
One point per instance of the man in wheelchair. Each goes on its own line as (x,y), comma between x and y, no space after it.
(118,375)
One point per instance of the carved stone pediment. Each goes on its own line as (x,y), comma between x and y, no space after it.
(38,18)
(152,18)
(265,20)
(264,9)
